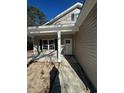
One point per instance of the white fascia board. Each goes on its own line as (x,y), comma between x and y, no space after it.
(53,29)
(87,7)
(49,27)
(36,32)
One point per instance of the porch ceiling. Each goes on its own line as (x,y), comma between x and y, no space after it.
(52,29)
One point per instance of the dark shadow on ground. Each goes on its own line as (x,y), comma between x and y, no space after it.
(36,57)
(80,72)
(33,58)
(54,81)
(44,55)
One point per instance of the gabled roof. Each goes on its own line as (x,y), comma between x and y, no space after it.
(88,5)
(77,5)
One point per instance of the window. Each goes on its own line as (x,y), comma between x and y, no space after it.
(67,41)
(48,44)
(45,44)
(51,44)
(74,16)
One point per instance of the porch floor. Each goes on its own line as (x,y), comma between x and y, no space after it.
(66,81)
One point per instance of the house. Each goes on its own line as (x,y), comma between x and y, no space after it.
(72,32)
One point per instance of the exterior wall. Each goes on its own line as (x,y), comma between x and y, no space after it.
(53,37)
(38,38)
(66,19)
(85,48)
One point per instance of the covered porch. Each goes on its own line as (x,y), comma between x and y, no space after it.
(52,40)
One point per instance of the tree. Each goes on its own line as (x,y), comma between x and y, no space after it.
(35,17)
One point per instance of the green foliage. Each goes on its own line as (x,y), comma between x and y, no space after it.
(35,17)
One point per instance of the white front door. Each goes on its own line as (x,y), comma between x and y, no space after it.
(68,46)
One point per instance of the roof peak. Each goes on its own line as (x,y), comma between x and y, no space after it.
(78,4)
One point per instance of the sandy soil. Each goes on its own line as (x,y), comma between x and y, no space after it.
(39,78)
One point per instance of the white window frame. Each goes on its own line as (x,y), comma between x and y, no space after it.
(48,44)
(43,44)
(74,16)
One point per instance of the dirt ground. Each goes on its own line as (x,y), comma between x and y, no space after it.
(39,77)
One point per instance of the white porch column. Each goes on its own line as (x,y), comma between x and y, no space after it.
(34,46)
(59,46)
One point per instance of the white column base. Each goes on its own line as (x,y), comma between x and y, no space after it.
(59,60)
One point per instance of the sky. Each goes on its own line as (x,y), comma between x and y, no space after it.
(52,8)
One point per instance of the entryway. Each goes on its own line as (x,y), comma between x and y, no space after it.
(68,46)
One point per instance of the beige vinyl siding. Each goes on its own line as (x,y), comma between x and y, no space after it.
(66,19)
(85,48)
